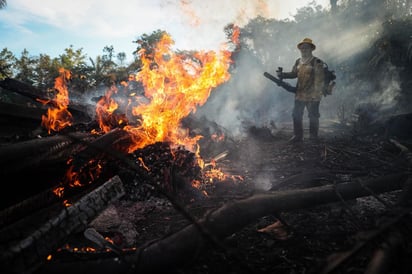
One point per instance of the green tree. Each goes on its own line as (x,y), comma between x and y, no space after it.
(107,58)
(97,71)
(3,4)
(25,67)
(121,57)
(7,61)
(45,72)
(308,12)
(72,58)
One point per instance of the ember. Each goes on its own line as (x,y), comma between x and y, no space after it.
(147,147)
(175,85)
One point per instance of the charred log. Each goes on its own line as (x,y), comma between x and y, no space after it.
(42,160)
(32,152)
(21,112)
(26,244)
(160,170)
(111,144)
(175,249)
(19,122)
(27,207)
(22,88)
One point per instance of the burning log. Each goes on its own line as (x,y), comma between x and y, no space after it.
(35,94)
(44,158)
(26,244)
(17,156)
(162,170)
(113,142)
(175,249)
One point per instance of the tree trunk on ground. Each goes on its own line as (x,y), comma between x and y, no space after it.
(180,247)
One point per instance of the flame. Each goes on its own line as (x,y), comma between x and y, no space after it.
(58,116)
(143,164)
(58,191)
(176,85)
(236,35)
(216,137)
(105,111)
(88,249)
(189,11)
(85,175)
(78,178)
(217,174)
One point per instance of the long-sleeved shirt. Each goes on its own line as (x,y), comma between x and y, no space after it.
(310,79)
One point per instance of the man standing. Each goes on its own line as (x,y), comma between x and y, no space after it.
(310,75)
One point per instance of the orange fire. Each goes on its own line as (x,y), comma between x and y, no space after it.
(105,111)
(176,85)
(58,116)
(236,35)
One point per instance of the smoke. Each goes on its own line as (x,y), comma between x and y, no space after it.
(344,43)
(199,24)
(250,99)
(247,99)
(387,98)
(350,42)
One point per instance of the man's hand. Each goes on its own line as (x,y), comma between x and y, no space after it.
(279,73)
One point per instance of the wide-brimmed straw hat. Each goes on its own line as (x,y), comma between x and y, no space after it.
(307,41)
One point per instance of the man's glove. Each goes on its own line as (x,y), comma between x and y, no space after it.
(279,73)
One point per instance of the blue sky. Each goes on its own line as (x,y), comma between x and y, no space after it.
(50,26)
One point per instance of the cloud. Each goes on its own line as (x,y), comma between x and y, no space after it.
(110,18)
(195,24)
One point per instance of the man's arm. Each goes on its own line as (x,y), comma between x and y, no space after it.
(280,82)
(289,75)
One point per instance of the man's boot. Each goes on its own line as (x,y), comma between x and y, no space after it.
(297,131)
(313,129)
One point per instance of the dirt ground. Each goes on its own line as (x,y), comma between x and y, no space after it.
(342,237)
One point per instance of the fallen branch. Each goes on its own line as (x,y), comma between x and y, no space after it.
(180,247)
(374,265)
(385,257)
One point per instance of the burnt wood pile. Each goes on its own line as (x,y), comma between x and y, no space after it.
(34,221)
(215,219)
